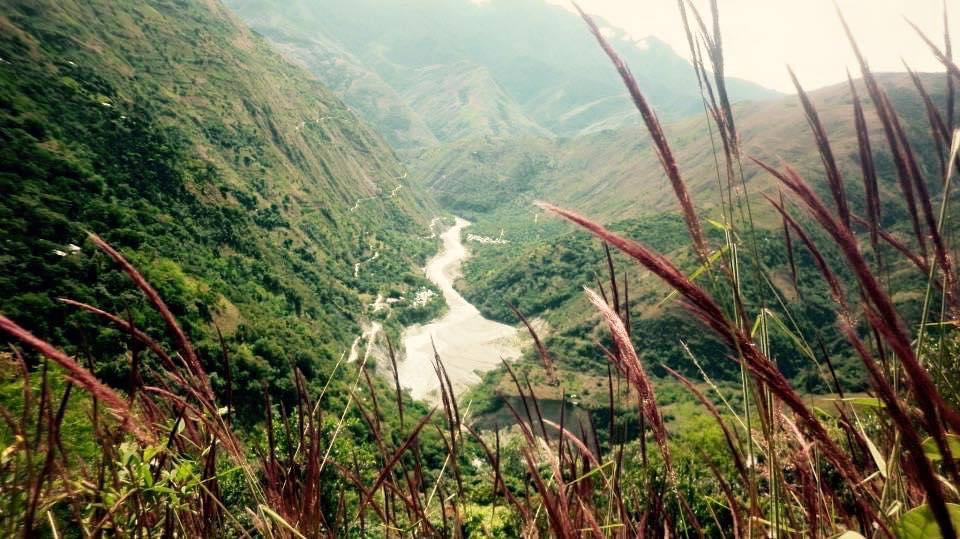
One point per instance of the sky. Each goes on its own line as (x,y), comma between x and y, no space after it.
(762,37)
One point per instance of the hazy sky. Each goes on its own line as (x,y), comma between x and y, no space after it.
(762,36)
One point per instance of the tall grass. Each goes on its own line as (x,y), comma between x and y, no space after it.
(167,459)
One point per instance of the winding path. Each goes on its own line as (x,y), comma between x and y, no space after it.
(466,341)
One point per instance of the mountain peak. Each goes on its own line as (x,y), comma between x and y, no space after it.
(551,73)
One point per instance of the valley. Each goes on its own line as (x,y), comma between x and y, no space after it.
(466,342)
(485,141)
(436,268)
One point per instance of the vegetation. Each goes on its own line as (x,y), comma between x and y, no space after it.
(109,429)
(209,171)
(612,174)
(545,279)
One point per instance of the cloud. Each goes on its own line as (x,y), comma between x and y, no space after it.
(761,37)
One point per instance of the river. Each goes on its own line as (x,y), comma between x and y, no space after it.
(465,340)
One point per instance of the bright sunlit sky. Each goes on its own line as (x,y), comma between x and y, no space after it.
(762,36)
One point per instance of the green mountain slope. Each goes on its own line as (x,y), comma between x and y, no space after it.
(614,177)
(241,187)
(540,55)
(462,100)
(345,74)
(614,174)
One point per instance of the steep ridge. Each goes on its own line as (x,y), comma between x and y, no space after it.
(541,55)
(345,74)
(463,100)
(614,174)
(244,189)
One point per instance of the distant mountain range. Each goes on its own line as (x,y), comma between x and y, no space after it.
(614,174)
(429,71)
(493,104)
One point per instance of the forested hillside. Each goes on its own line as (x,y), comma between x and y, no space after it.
(211,283)
(241,187)
(615,176)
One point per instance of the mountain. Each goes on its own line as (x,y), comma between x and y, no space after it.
(552,76)
(362,88)
(463,100)
(615,177)
(244,189)
(615,174)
